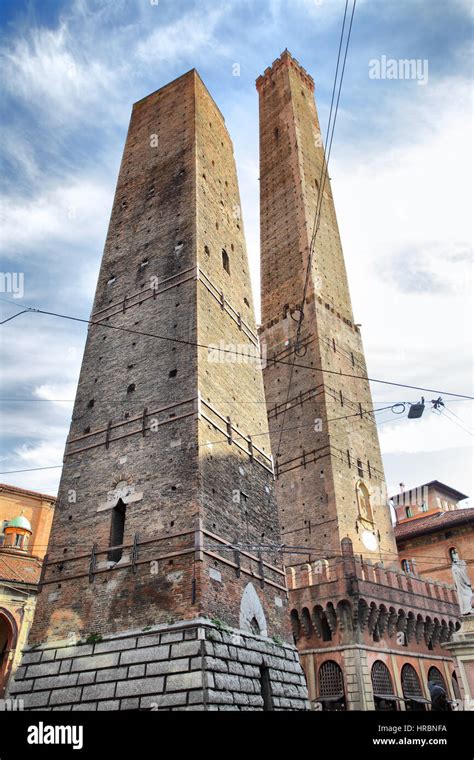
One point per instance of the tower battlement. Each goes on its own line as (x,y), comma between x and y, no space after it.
(285,60)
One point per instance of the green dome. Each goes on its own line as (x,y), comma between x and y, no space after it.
(19,522)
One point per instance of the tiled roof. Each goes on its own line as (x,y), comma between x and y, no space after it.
(20,569)
(15,489)
(432,484)
(431,523)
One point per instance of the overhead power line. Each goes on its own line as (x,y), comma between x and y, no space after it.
(365,378)
(319,200)
(237,437)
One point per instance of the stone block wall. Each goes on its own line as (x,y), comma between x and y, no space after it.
(186,666)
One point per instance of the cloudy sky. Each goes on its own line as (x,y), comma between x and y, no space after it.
(400,169)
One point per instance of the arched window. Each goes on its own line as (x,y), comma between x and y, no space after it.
(412,689)
(255,628)
(326,631)
(439,699)
(295,624)
(437,677)
(8,642)
(453,554)
(117,528)
(455,684)
(225,261)
(331,686)
(382,685)
(406,566)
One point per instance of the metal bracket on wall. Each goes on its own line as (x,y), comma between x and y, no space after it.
(134,557)
(92,563)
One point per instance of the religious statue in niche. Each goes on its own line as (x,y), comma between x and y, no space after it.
(463,586)
(363,503)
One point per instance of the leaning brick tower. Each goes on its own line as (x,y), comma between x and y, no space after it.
(161,588)
(369,637)
(330,479)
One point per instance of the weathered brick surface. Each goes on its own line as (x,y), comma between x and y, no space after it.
(317,462)
(147,430)
(176,210)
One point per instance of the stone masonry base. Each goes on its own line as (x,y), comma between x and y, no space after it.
(192,665)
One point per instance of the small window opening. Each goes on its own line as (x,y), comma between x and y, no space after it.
(326,631)
(131,388)
(172,373)
(225,261)
(117,528)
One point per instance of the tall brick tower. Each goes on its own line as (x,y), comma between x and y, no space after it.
(330,474)
(157,592)
(369,636)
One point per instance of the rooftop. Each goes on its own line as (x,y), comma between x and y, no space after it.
(5,487)
(432,484)
(433,522)
(19,568)
(19,522)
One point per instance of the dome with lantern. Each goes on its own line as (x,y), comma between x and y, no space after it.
(17,533)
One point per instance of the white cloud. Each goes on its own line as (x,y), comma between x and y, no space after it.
(56,392)
(47,73)
(176,41)
(432,432)
(404,208)
(73,212)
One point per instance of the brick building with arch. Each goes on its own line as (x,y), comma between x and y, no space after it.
(25,522)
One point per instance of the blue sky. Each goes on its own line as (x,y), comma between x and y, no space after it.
(400,169)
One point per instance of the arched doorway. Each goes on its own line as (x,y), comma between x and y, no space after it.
(8,635)
(382,685)
(331,687)
(412,691)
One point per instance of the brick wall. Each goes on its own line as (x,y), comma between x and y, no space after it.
(156,422)
(320,458)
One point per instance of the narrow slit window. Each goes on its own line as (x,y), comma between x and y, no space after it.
(225,261)
(117,528)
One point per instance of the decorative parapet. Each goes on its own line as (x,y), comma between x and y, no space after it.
(349,591)
(285,60)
